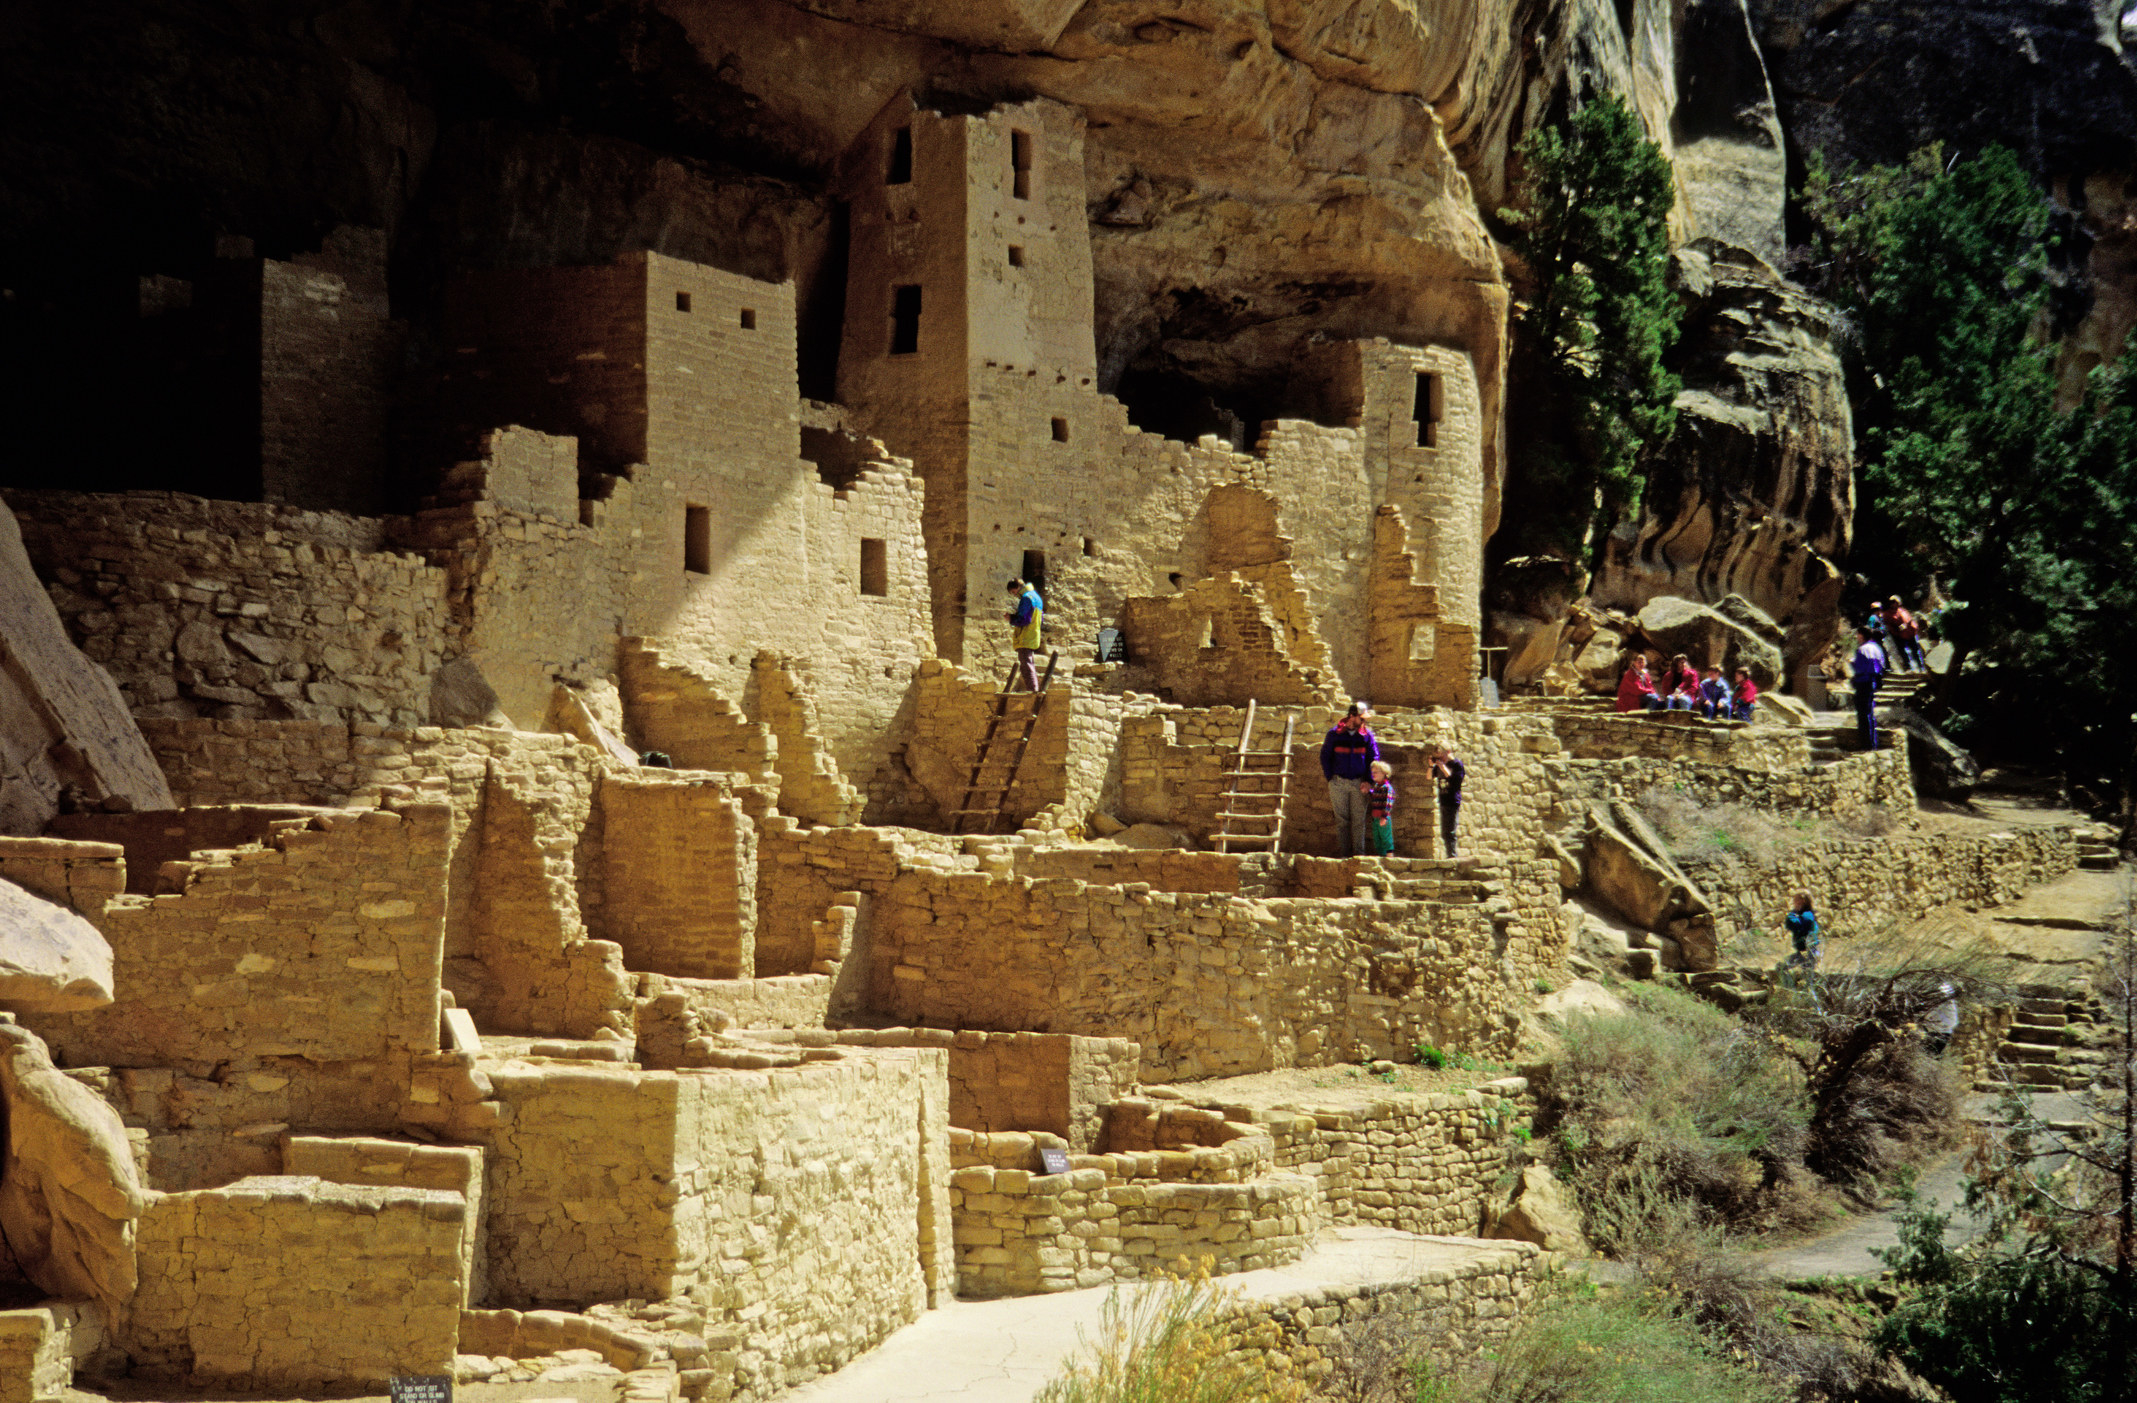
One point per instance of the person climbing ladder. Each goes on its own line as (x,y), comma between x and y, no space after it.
(1025,620)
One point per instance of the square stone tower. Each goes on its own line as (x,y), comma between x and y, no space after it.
(970,257)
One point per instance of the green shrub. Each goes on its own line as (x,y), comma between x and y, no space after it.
(1672,1103)
(1579,1345)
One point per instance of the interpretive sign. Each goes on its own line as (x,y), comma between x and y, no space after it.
(1052,1160)
(421,1388)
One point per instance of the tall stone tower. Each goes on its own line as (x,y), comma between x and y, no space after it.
(970,257)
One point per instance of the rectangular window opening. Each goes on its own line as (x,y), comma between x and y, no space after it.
(749,319)
(1426,409)
(905,319)
(682,301)
(1016,256)
(1090,547)
(1034,571)
(875,567)
(1020,164)
(697,540)
(1060,430)
(901,158)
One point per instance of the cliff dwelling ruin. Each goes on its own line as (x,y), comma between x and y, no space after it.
(598,909)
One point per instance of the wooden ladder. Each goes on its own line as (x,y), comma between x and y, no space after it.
(985,797)
(1253,814)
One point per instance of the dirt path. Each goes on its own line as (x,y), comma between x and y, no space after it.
(1845,1251)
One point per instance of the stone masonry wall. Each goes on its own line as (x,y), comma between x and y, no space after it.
(1210,985)
(240,610)
(324,944)
(611,1184)
(1120,1217)
(295,1283)
(1862,885)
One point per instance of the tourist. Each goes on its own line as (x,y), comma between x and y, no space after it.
(1680,685)
(1714,696)
(1866,668)
(1636,689)
(1906,632)
(1807,946)
(1448,773)
(1347,756)
(1746,699)
(1380,809)
(1941,1024)
(1025,619)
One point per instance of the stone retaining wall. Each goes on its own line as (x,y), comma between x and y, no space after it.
(1861,885)
(1462,1307)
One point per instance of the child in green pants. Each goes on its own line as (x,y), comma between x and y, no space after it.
(1380,810)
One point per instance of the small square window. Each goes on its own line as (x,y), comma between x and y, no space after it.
(697,540)
(1016,256)
(749,319)
(682,301)
(875,567)
(1060,430)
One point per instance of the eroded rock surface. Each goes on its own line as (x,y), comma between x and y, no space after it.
(67,733)
(51,959)
(1755,494)
(70,1194)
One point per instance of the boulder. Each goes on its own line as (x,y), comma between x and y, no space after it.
(1941,769)
(1709,638)
(51,959)
(1743,613)
(1599,945)
(1781,709)
(1541,1210)
(1531,646)
(1630,871)
(461,696)
(69,734)
(1582,998)
(69,1191)
(1153,835)
(1601,660)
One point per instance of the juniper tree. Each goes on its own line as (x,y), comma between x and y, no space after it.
(1591,394)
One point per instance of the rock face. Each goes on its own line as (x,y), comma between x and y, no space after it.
(67,733)
(1708,637)
(1629,870)
(70,1194)
(1755,494)
(51,959)
(1872,81)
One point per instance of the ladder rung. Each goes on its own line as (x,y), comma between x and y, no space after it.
(1253,818)
(975,813)
(1255,774)
(1247,837)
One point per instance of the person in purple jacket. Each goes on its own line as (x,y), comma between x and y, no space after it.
(1347,756)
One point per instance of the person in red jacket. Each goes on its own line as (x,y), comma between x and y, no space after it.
(1636,690)
(1747,696)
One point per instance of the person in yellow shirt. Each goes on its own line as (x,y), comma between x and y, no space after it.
(1025,619)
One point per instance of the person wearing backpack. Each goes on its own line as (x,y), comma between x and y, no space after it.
(1866,669)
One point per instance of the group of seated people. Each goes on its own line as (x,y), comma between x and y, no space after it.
(1683,689)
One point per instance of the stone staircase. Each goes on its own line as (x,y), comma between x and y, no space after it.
(2096,849)
(2048,1046)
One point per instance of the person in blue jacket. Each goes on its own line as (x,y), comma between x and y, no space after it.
(1025,621)
(1347,756)
(1807,946)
